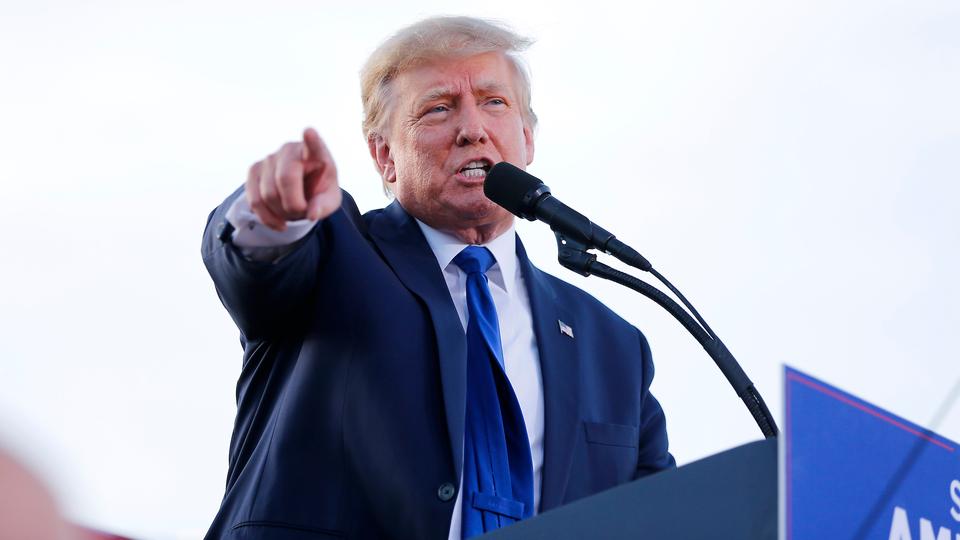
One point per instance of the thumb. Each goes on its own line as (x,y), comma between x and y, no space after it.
(323,192)
(323,204)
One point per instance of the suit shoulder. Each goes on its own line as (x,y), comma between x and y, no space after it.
(349,213)
(372,215)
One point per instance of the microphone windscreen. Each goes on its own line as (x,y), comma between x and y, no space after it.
(510,187)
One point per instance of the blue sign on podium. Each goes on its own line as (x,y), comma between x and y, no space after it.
(851,470)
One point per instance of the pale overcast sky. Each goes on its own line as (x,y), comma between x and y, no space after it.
(792,166)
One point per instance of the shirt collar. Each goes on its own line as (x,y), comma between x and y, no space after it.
(504,249)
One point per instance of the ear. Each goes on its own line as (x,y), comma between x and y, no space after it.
(382,158)
(528,142)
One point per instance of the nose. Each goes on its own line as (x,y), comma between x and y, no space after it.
(471,129)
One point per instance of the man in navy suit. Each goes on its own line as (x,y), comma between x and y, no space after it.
(353,412)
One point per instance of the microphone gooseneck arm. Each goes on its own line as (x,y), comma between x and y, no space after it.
(574,256)
(526,196)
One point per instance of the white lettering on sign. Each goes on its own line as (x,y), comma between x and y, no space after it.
(955,495)
(900,528)
(926,531)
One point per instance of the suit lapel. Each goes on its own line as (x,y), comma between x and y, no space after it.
(560,368)
(399,239)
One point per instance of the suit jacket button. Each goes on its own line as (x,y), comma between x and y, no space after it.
(446,492)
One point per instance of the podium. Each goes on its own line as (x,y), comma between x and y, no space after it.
(849,470)
(732,494)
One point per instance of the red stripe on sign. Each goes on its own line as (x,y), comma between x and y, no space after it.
(869,410)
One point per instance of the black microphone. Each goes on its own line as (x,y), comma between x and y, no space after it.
(526,196)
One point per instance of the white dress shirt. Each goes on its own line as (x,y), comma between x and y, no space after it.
(520,353)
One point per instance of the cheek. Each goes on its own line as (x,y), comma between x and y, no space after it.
(420,160)
(428,162)
(513,141)
(417,175)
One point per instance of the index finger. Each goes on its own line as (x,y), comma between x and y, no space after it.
(313,147)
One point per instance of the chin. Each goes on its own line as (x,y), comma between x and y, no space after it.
(485,211)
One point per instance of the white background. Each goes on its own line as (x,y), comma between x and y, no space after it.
(791,166)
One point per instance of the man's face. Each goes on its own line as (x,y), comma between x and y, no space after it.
(450,121)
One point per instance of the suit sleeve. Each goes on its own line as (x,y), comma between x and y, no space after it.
(654,454)
(264,298)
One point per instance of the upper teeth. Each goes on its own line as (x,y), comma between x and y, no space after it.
(474,165)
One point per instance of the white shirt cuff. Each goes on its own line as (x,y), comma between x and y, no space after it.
(259,242)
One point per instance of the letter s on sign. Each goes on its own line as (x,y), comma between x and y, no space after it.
(955,495)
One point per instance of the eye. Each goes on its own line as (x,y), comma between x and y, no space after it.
(437,109)
(497,101)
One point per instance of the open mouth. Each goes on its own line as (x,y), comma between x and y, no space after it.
(476,169)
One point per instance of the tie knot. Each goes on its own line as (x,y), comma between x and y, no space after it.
(474,259)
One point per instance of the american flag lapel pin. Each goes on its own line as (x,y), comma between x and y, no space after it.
(565,329)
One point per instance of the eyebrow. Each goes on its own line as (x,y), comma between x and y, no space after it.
(482,88)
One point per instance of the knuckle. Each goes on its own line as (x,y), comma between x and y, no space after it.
(287,176)
(269,195)
(268,164)
(289,151)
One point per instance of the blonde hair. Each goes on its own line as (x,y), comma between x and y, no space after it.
(433,39)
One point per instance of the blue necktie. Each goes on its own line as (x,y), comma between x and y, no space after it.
(497,468)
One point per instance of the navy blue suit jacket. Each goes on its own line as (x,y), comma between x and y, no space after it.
(350,402)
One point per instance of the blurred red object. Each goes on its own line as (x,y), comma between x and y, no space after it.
(29,511)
